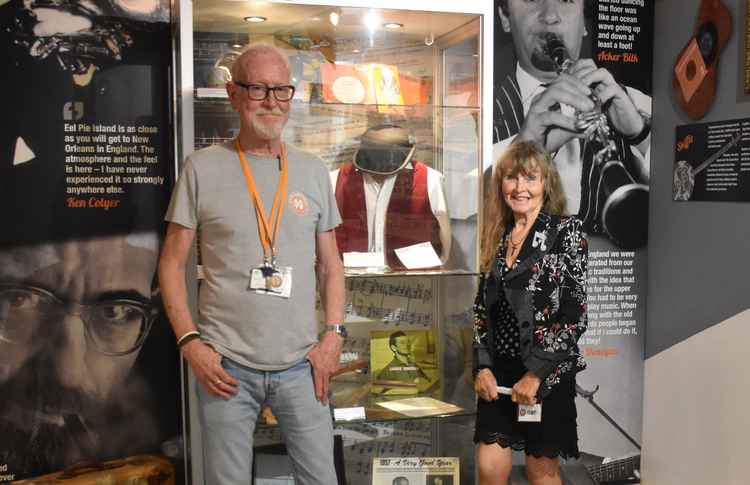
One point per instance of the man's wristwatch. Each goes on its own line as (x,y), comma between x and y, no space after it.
(338,328)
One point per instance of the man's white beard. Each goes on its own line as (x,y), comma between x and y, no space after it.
(270,130)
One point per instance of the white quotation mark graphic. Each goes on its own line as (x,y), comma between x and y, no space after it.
(73,110)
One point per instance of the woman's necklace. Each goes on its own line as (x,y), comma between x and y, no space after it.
(515,247)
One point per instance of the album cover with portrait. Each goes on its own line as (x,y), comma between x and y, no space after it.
(403,362)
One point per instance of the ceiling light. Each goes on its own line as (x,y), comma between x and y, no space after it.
(372,20)
(356,51)
(393,25)
(255,19)
(333,17)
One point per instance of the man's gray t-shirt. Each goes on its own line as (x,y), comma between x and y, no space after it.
(260,331)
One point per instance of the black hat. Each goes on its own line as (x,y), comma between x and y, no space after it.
(384,150)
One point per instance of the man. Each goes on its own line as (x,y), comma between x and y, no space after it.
(534,103)
(403,367)
(257,329)
(74,316)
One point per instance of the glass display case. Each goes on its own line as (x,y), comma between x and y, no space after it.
(393,101)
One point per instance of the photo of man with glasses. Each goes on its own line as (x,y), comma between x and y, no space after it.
(74,318)
(88,365)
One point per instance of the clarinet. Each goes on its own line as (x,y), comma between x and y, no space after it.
(616,204)
(593,123)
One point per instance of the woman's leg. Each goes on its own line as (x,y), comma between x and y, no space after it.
(494,463)
(543,471)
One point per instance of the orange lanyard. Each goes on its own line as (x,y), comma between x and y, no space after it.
(268,235)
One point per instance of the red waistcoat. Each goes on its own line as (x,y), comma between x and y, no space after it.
(408,220)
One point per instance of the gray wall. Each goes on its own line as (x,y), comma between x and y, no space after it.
(698,261)
(695,426)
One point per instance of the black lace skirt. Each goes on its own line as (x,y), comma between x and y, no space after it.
(555,436)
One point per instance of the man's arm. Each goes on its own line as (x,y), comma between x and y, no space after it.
(205,362)
(642,151)
(329,268)
(330,273)
(172,263)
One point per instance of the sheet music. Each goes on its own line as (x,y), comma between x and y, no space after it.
(365,441)
(395,301)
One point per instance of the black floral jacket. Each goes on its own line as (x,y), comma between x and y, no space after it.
(547,291)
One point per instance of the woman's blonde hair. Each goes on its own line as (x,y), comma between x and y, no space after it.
(522,157)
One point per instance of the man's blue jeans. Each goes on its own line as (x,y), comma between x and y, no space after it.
(228,425)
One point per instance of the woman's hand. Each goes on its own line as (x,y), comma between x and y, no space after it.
(485,385)
(524,391)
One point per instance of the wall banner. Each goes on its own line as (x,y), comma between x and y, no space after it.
(88,365)
(608,42)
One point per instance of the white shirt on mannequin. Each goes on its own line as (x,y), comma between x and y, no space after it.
(378,195)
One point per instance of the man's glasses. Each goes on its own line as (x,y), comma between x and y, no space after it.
(259,92)
(115,327)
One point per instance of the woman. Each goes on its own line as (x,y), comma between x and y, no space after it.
(530,311)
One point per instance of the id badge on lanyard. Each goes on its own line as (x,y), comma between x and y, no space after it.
(271,280)
(268,278)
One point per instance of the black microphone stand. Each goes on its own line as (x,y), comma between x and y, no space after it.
(589,396)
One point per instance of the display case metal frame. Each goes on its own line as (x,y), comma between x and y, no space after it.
(183,22)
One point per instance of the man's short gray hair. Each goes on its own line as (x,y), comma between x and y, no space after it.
(258,50)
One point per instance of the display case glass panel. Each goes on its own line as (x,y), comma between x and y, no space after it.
(410,343)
